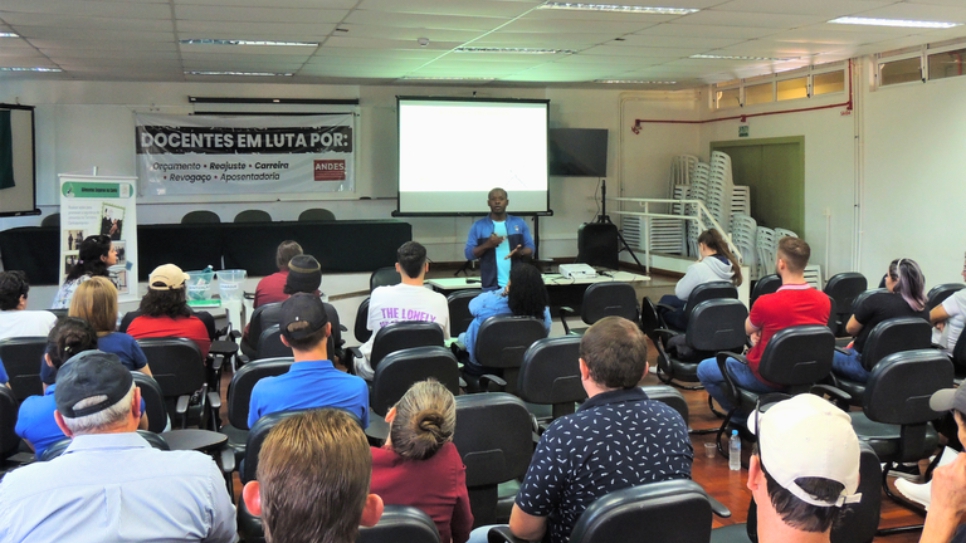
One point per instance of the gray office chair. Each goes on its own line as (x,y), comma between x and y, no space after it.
(253,215)
(317,214)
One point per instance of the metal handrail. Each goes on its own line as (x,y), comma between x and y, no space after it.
(695,204)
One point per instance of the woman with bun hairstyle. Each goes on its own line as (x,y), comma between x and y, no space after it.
(96,255)
(419,464)
(716,264)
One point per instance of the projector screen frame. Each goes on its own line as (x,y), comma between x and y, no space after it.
(33,157)
(399,98)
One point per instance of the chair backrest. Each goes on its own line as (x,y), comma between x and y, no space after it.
(709,291)
(492,453)
(201,216)
(459,310)
(550,373)
(58,448)
(896,335)
(242,383)
(316,214)
(401,523)
(860,521)
(153,401)
(609,300)
(22,357)
(9,407)
(717,325)
(253,215)
(359,330)
(901,384)
(176,364)
(648,509)
(650,320)
(768,284)
(668,395)
(843,288)
(798,355)
(400,370)
(384,277)
(504,339)
(262,318)
(404,335)
(939,293)
(861,298)
(270,344)
(51,220)
(253,444)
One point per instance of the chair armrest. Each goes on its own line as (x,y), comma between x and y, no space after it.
(839,397)
(226,459)
(841,350)
(182,406)
(354,351)
(235,334)
(564,311)
(214,400)
(729,386)
(718,508)
(343,328)
(665,306)
(663,335)
(487,379)
(249,295)
(216,362)
(502,534)
(463,383)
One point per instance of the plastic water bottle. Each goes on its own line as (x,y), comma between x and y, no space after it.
(734,451)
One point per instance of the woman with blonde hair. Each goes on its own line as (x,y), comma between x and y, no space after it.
(419,464)
(95,301)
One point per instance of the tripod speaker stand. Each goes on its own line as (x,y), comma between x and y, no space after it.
(599,243)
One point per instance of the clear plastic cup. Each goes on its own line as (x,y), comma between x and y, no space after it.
(231,284)
(199,285)
(710,449)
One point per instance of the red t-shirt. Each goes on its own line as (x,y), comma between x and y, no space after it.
(269,289)
(791,305)
(437,486)
(193,328)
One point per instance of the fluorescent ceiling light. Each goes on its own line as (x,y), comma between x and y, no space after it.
(34,69)
(206,41)
(737,57)
(250,74)
(893,22)
(634,82)
(8,35)
(428,78)
(646,10)
(514,50)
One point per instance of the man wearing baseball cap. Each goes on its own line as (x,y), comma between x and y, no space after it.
(805,469)
(110,485)
(312,381)
(948,496)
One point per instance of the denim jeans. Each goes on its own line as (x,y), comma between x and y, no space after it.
(850,366)
(710,376)
(673,318)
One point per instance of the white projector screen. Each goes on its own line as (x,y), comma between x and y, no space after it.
(453,151)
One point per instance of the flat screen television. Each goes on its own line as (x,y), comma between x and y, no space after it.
(578,152)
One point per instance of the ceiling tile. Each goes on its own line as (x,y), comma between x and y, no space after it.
(684,30)
(477,8)
(22,20)
(542,40)
(742,18)
(255,15)
(236,30)
(641,52)
(920,12)
(565,27)
(376,43)
(105,43)
(823,8)
(247,50)
(407,33)
(91,8)
(299,4)
(411,20)
(651,40)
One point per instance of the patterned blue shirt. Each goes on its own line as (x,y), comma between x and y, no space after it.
(616,440)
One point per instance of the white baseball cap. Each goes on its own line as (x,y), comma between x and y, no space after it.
(806,436)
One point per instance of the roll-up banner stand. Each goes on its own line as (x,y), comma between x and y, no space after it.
(95,205)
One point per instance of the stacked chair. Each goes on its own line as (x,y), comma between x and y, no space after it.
(743,230)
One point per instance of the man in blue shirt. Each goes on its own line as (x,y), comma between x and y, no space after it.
(496,240)
(312,381)
(110,485)
(617,439)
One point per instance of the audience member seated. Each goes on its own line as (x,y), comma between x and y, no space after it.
(906,298)
(15,319)
(617,439)
(164,310)
(96,302)
(312,381)
(716,264)
(270,288)
(950,318)
(525,294)
(407,301)
(947,505)
(35,422)
(419,464)
(805,470)
(312,482)
(304,275)
(96,255)
(796,303)
(110,484)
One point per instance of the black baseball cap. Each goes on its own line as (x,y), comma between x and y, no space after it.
(89,374)
(302,315)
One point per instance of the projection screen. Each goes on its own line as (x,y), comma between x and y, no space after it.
(453,151)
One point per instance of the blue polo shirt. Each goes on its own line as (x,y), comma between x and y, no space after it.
(35,421)
(517,233)
(3,374)
(616,440)
(309,385)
